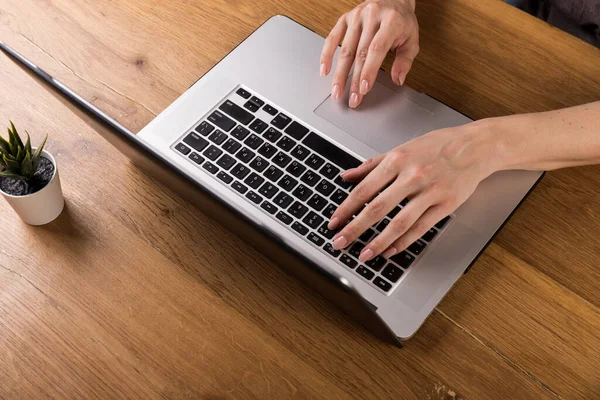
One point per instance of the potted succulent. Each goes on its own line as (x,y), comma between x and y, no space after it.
(29,179)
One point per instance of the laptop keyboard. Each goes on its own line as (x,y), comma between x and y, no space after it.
(291,173)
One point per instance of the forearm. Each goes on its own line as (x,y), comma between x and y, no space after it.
(545,141)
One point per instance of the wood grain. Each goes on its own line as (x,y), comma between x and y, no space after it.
(134,293)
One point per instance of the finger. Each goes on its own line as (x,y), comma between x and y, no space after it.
(399,226)
(372,213)
(379,47)
(331,43)
(345,58)
(365,191)
(405,55)
(417,230)
(358,173)
(369,29)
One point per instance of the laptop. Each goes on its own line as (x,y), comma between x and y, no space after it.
(258,143)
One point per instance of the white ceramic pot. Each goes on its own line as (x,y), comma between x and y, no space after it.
(43,206)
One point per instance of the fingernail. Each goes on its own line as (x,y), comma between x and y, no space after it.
(335,93)
(333,223)
(365,255)
(343,174)
(339,243)
(323,71)
(401,77)
(353,100)
(364,87)
(389,252)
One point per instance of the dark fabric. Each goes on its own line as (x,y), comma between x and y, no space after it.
(578,17)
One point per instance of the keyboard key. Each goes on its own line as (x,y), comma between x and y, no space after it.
(339,196)
(210,167)
(226,162)
(330,171)
(376,263)
(310,178)
(348,261)
(196,141)
(394,212)
(195,157)
(257,101)
(254,180)
(240,132)
(330,151)
(287,183)
(302,192)
(392,273)
(204,128)
(442,223)
(365,272)
(183,149)
(258,126)
(253,141)
(383,224)
(268,190)
(220,120)
(267,150)
(240,171)
(225,177)
(217,137)
(231,146)
(296,130)
(270,110)
(244,93)
(313,220)
(417,247)
(314,161)
(283,217)
(318,240)
(213,152)
(295,168)
(382,284)
(300,152)
(259,164)
(281,121)
(317,202)
(325,187)
(281,159)
(298,227)
(245,155)
(329,249)
(429,235)
(403,259)
(366,235)
(356,249)
(239,187)
(298,210)
(328,211)
(254,197)
(236,112)
(404,202)
(342,183)
(283,200)
(268,207)
(251,106)
(286,143)
(326,233)
(273,173)
(272,135)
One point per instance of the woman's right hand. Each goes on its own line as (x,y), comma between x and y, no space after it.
(367,33)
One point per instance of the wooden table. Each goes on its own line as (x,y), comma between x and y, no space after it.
(132,293)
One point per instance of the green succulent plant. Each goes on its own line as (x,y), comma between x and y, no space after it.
(18,160)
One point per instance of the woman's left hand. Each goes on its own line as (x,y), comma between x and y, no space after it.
(437,172)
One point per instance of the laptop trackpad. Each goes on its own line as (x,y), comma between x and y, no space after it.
(384,119)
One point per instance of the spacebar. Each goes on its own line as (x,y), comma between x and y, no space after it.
(330,151)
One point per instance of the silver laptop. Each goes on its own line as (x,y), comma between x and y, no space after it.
(260,134)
